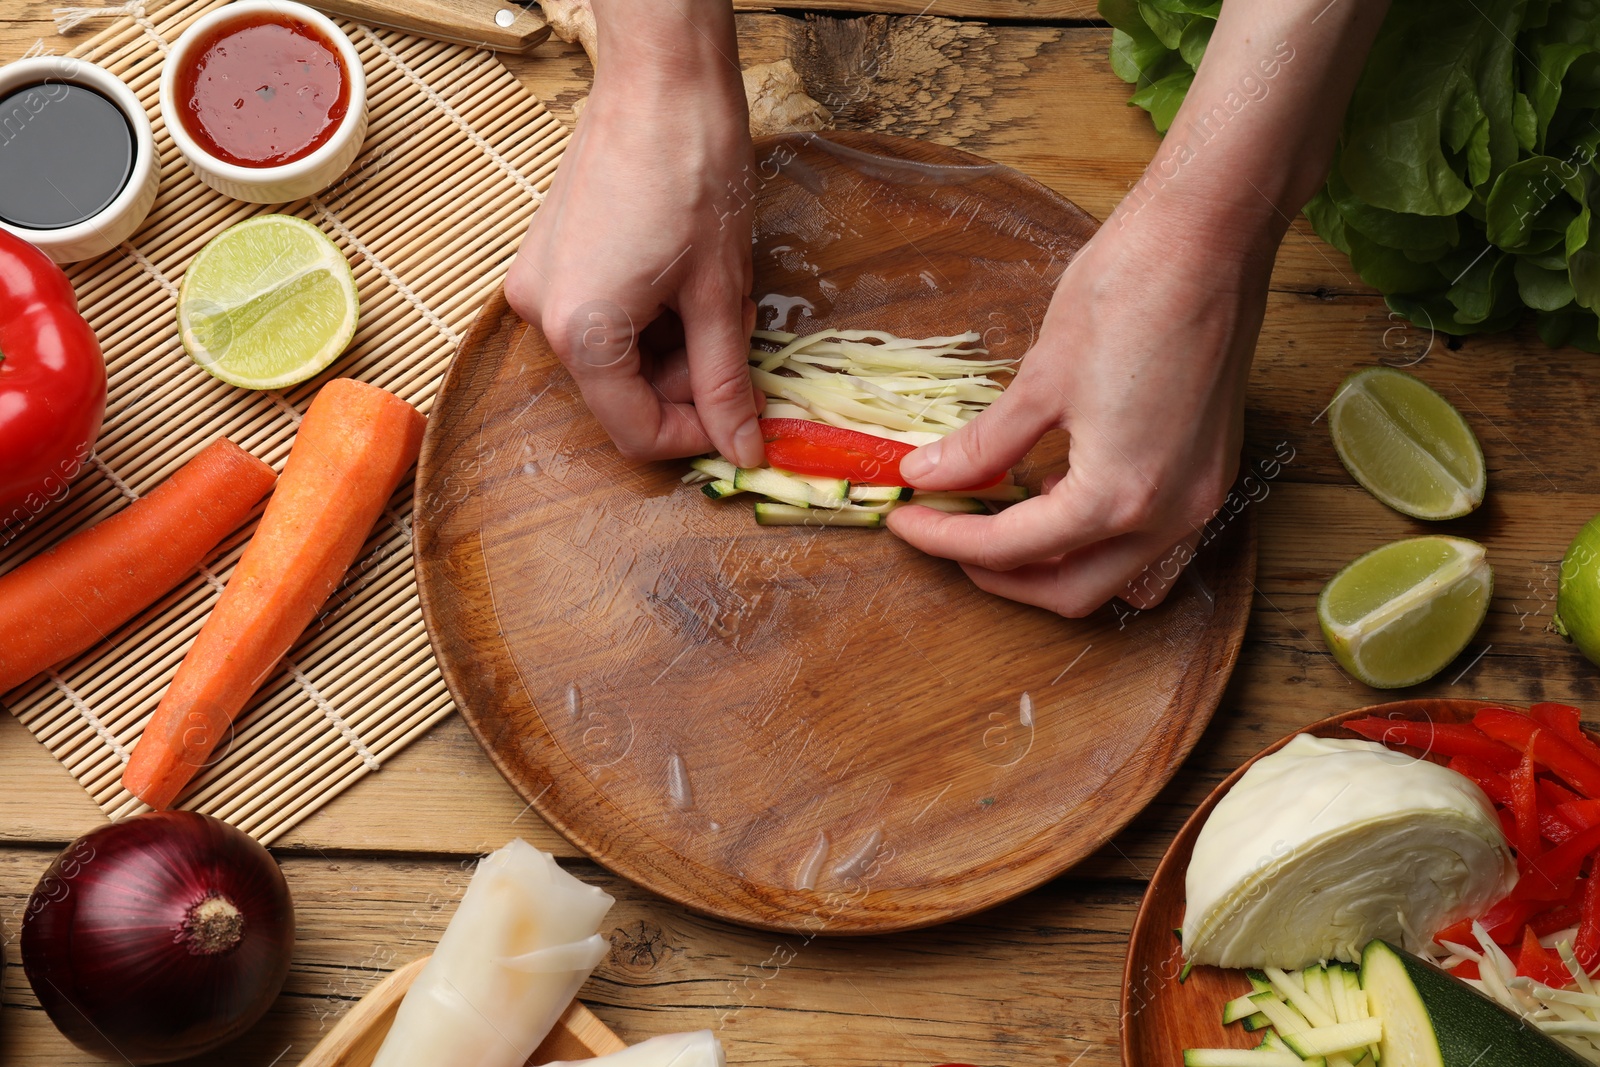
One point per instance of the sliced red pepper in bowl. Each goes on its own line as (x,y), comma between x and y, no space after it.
(1587,945)
(1525,810)
(825,451)
(1491,781)
(1563,918)
(1539,963)
(1442,738)
(1562,720)
(1580,813)
(1554,794)
(1505,920)
(1522,733)
(1554,875)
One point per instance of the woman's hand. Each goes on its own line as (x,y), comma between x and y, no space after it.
(1142,359)
(1146,347)
(649,214)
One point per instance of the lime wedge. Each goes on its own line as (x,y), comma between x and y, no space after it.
(1577,616)
(267,303)
(1407,445)
(1400,613)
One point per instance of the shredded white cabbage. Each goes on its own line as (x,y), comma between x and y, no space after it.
(1570,1016)
(876,382)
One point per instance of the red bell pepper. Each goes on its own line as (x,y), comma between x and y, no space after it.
(1522,733)
(1457,933)
(1491,781)
(1508,824)
(1587,945)
(1467,969)
(825,451)
(1555,829)
(1563,918)
(1554,875)
(1554,794)
(1504,921)
(52,384)
(1581,814)
(1562,720)
(1525,812)
(1444,738)
(1539,963)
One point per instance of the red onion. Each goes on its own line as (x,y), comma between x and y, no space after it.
(158,937)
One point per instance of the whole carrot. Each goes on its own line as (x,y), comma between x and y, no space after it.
(64,600)
(354,445)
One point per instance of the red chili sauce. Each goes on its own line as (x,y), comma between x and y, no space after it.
(262,91)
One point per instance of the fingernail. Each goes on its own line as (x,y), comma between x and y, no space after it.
(747,444)
(920,464)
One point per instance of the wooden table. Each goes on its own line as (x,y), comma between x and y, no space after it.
(375,874)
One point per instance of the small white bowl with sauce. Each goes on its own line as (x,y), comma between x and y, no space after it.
(266,99)
(78,167)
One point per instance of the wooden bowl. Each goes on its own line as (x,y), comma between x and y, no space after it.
(1161,1016)
(359,1033)
(819,731)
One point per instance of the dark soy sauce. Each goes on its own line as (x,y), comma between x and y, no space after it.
(65,154)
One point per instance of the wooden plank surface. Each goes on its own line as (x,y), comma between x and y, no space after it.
(1034,981)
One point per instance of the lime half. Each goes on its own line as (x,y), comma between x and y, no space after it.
(1400,613)
(1407,445)
(1577,615)
(268,303)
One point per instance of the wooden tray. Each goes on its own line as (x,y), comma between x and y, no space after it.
(1160,1016)
(709,707)
(357,1036)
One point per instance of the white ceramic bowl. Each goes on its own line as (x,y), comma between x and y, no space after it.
(289,181)
(117,220)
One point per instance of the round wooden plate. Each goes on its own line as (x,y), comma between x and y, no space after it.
(802,729)
(1162,1016)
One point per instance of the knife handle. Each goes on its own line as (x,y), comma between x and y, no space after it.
(498,25)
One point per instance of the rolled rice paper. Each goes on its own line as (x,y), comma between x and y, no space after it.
(523,939)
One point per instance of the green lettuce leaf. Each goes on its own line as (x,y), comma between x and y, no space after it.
(1466,182)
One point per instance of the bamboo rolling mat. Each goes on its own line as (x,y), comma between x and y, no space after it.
(456,159)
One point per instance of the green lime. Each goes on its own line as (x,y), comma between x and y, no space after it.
(267,303)
(1400,613)
(1577,615)
(1407,445)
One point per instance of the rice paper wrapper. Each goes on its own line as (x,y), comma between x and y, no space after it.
(523,940)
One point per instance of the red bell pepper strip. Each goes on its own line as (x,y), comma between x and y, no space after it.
(1505,920)
(1563,918)
(1508,824)
(1445,738)
(1539,963)
(1580,813)
(1457,933)
(1554,794)
(1491,781)
(1554,875)
(1525,811)
(1523,734)
(825,451)
(1562,720)
(1587,945)
(1555,829)
(1467,969)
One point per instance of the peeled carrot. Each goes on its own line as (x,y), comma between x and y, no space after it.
(354,445)
(64,600)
